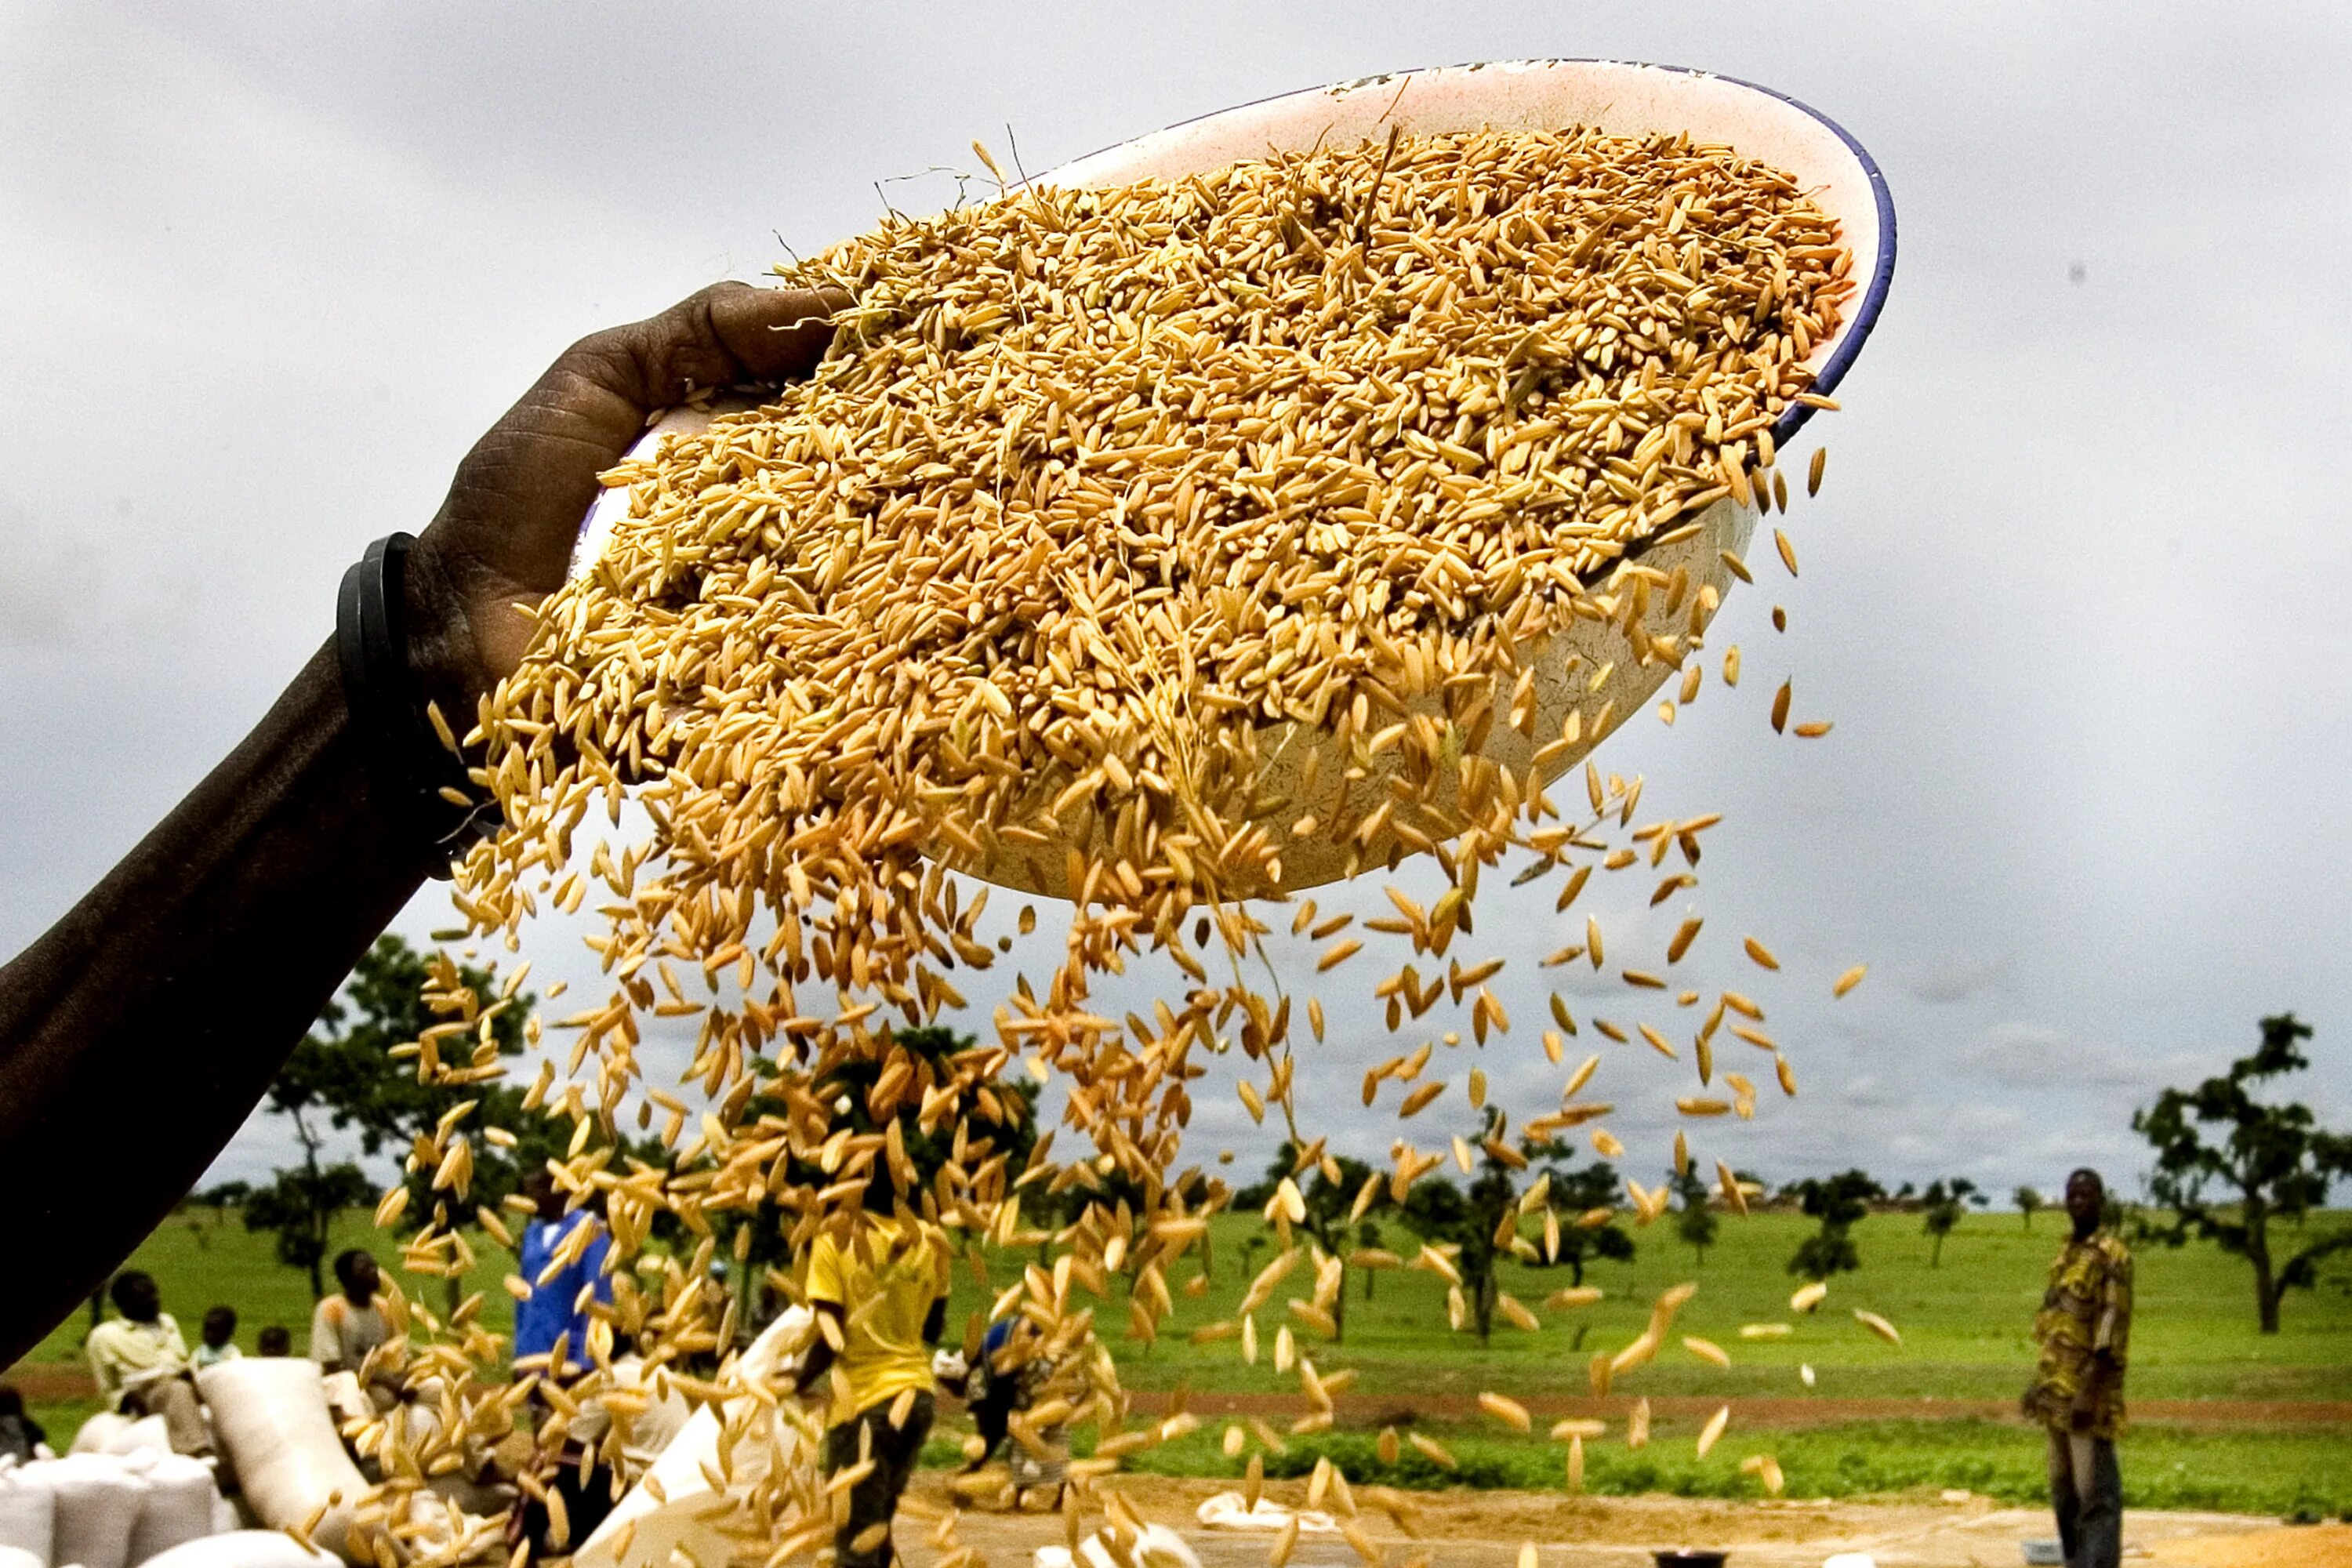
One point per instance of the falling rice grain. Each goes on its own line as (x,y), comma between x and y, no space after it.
(1879,1326)
(1338,953)
(1706,1350)
(1506,1410)
(1713,1430)
(1435,1452)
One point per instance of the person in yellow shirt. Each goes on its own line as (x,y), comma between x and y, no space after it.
(882,1293)
(2084,1335)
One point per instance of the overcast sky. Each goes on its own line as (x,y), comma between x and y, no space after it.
(2073,591)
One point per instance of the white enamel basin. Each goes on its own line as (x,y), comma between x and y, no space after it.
(1614,96)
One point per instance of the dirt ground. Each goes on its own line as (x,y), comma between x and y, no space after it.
(1485,1530)
(2281,1546)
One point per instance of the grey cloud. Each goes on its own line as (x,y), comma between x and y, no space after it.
(1957,979)
(2042,1056)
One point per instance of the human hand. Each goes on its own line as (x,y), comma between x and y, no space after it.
(503,537)
(2083,1412)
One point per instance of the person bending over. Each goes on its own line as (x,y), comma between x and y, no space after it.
(1008,1377)
(140,1363)
(312,833)
(881,1301)
(2084,1333)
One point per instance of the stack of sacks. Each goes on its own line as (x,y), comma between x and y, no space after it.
(105,1511)
(269,1416)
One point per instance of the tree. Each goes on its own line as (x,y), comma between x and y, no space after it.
(1331,1219)
(1481,1225)
(345,1076)
(2027,1200)
(2272,1162)
(1251,1243)
(1470,1224)
(1837,1202)
(225,1196)
(1441,1214)
(220,1199)
(301,1206)
(1943,1200)
(1575,1192)
(1695,1222)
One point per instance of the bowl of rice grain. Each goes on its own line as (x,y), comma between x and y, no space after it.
(1277,493)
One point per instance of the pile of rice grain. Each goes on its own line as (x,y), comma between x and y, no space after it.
(1094,490)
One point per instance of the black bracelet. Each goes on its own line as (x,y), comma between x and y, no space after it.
(404,755)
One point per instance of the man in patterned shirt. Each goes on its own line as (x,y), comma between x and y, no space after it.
(2083,1331)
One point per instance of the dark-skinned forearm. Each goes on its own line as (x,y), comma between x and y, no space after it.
(817,1359)
(138,1032)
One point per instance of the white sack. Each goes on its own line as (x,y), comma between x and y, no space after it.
(27,1516)
(346,1400)
(148,1434)
(244,1549)
(269,1416)
(684,1470)
(1224,1511)
(98,1497)
(178,1506)
(17,1557)
(98,1431)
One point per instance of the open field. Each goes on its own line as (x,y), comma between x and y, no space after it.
(1964,1325)
(2227,1418)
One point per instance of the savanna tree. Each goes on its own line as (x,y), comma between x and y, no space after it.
(2228,1163)
(1838,1203)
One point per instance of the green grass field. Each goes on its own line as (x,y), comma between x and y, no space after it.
(1965,1338)
(1964,1324)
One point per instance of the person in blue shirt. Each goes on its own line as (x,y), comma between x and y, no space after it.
(557,1309)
